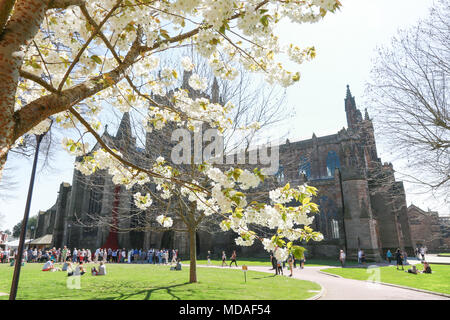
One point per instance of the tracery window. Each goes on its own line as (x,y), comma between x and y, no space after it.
(332,163)
(334,229)
(280,174)
(304,167)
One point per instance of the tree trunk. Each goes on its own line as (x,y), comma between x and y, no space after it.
(192,256)
(20,29)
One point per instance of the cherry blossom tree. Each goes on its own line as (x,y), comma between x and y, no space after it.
(64,60)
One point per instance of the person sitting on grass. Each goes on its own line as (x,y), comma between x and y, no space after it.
(65,266)
(412,270)
(178,266)
(426,267)
(101,270)
(48,266)
(79,270)
(69,269)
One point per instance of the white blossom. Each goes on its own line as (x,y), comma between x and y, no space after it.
(166,222)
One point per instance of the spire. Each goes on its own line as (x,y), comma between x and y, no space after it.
(353,114)
(366,114)
(124,131)
(215,96)
(186,76)
(349,94)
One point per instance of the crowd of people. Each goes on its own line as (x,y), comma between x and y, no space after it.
(73,260)
(279,265)
(153,256)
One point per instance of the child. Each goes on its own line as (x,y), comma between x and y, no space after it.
(224,258)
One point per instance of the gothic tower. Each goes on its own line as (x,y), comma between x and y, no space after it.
(354,116)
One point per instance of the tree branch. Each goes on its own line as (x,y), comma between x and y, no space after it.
(6,7)
(38,80)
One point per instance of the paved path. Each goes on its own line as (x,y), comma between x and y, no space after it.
(348,289)
(431,258)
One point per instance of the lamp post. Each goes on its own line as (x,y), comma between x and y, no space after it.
(69,226)
(18,261)
(343,210)
(31,237)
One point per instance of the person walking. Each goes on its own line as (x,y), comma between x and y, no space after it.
(208,257)
(399,258)
(291,264)
(280,267)
(273,262)
(389,256)
(224,258)
(342,257)
(302,261)
(174,257)
(233,258)
(422,253)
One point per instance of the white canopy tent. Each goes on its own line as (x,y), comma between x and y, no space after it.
(15,244)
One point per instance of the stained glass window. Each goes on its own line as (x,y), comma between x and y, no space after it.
(332,163)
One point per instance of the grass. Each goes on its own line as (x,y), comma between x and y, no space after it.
(438,281)
(445,254)
(265,262)
(155,282)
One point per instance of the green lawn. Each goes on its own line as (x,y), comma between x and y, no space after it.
(438,281)
(445,254)
(266,262)
(155,282)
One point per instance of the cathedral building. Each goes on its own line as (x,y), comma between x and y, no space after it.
(361,204)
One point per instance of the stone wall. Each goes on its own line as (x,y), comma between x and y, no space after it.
(425,228)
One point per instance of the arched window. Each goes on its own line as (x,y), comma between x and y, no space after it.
(304,167)
(332,163)
(334,229)
(280,174)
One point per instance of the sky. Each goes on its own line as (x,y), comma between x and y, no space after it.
(345,43)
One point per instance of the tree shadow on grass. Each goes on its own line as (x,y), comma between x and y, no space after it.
(148,293)
(268,276)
